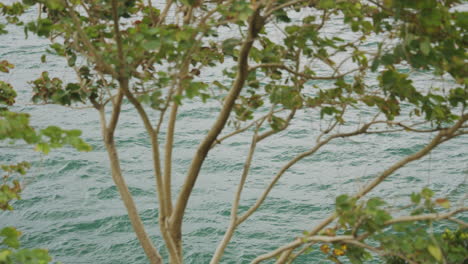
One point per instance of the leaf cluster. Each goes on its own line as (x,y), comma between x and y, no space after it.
(400,242)
(11,251)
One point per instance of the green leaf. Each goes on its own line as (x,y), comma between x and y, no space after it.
(152,44)
(277,123)
(344,202)
(4,255)
(55,4)
(43,147)
(375,202)
(461,19)
(420,243)
(73,133)
(425,47)
(59,49)
(11,237)
(229,45)
(188,2)
(7,93)
(415,198)
(427,193)
(327,4)
(71,60)
(282,16)
(2,29)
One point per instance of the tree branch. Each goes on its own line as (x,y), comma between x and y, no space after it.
(425,217)
(235,206)
(283,6)
(299,157)
(378,251)
(441,137)
(243,129)
(307,76)
(148,247)
(95,56)
(255,22)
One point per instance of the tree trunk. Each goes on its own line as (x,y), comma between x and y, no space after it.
(135,219)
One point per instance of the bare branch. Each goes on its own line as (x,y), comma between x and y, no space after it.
(116,109)
(458,221)
(285,256)
(283,6)
(235,206)
(170,138)
(167,7)
(441,137)
(271,132)
(292,256)
(299,157)
(306,76)
(426,217)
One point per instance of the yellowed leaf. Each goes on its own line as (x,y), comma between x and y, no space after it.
(435,252)
(325,248)
(443,202)
(338,252)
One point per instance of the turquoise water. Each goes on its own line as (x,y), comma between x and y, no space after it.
(71,206)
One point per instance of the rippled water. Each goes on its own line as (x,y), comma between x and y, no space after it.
(71,206)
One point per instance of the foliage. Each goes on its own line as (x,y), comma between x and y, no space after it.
(131,51)
(15,126)
(10,248)
(396,239)
(11,251)
(402,240)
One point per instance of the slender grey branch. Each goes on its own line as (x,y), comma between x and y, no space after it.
(304,75)
(441,137)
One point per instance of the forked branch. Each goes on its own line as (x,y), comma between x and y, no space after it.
(441,137)
(255,24)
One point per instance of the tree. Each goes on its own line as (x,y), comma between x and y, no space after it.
(156,59)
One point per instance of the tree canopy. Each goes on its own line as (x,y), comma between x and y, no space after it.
(276,59)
